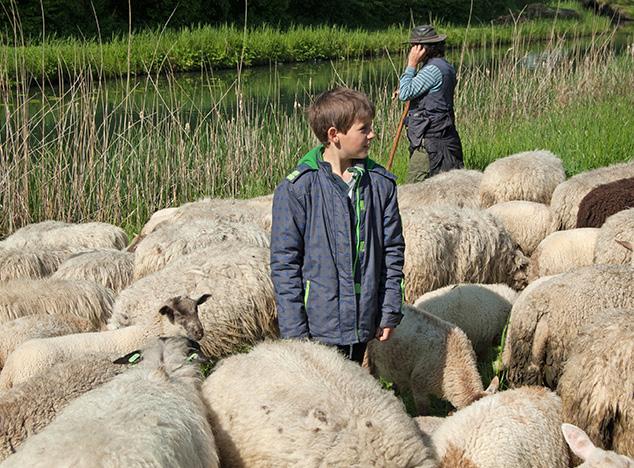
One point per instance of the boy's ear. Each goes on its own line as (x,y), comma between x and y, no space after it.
(332,135)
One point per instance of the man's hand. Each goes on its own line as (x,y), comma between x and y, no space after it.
(383,334)
(416,55)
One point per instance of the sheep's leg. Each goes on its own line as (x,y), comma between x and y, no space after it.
(420,392)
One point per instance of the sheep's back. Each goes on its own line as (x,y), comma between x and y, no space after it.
(604,201)
(301,403)
(618,227)
(458,187)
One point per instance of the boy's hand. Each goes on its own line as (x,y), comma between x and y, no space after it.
(383,334)
(416,55)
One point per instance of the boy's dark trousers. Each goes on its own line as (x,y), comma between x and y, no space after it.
(354,352)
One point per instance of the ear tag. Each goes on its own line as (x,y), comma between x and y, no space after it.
(134,358)
(191,357)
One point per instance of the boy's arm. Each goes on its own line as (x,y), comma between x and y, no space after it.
(287,255)
(390,290)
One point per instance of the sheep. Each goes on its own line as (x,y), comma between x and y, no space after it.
(458,187)
(177,239)
(179,315)
(300,403)
(604,201)
(25,328)
(17,263)
(29,407)
(150,415)
(427,356)
(564,203)
(480,310)
(252,211)
(238,277)
(547,316)
(617,229)
(527,222)
(108,267)
(597,383)
(530,176)
(593,457)
(447,245)
(563,251)
(515,428)
(84,299)
(57,235)
(428,424)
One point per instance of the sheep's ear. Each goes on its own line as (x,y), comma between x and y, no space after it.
(627,244)
(493,386)
(168,311)
(202,299)
(578,440)
(131,358)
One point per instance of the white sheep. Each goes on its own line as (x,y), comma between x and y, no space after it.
(151,415)
(597,382)
(299,403)
(563,251)
(427,356)
(458,187)
(527,222)
(447,245)
(178,239)
(251,211)
(617,229)
(85,299)
(566,198)
(17,263)
(16,332)
(547,316)
(480,310)
(29,407)
(530,176)
(242,311)
(593,457)
(57,235)
(516,428)
(108,267)
(178,316)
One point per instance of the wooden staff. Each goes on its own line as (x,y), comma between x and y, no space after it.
(397,137)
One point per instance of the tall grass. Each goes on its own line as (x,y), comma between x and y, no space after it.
(78,154)
(199,48)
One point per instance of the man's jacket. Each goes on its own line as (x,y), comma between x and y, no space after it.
(321,240)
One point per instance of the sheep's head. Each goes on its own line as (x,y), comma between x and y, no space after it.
(182,311)
(592,456)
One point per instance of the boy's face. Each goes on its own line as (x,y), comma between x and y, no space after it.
(355,143)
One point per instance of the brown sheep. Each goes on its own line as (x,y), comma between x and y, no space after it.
(604,201)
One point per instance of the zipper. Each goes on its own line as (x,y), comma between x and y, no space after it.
(358,173)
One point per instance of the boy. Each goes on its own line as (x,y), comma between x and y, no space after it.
(435,145)
(337,247)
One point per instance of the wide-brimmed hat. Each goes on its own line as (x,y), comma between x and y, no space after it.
(425,34)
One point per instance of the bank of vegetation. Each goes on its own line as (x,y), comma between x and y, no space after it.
(228,46)
(79,155)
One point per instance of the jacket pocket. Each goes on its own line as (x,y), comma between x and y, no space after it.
(306,293)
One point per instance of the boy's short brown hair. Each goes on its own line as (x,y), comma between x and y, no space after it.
(339,108)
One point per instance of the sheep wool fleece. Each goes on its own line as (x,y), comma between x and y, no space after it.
(336,262)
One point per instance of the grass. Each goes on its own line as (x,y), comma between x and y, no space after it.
(201,48)
(80,155)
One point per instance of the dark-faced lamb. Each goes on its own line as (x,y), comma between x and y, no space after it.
(178,316)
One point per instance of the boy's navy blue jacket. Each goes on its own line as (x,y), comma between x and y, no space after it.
(321,240)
